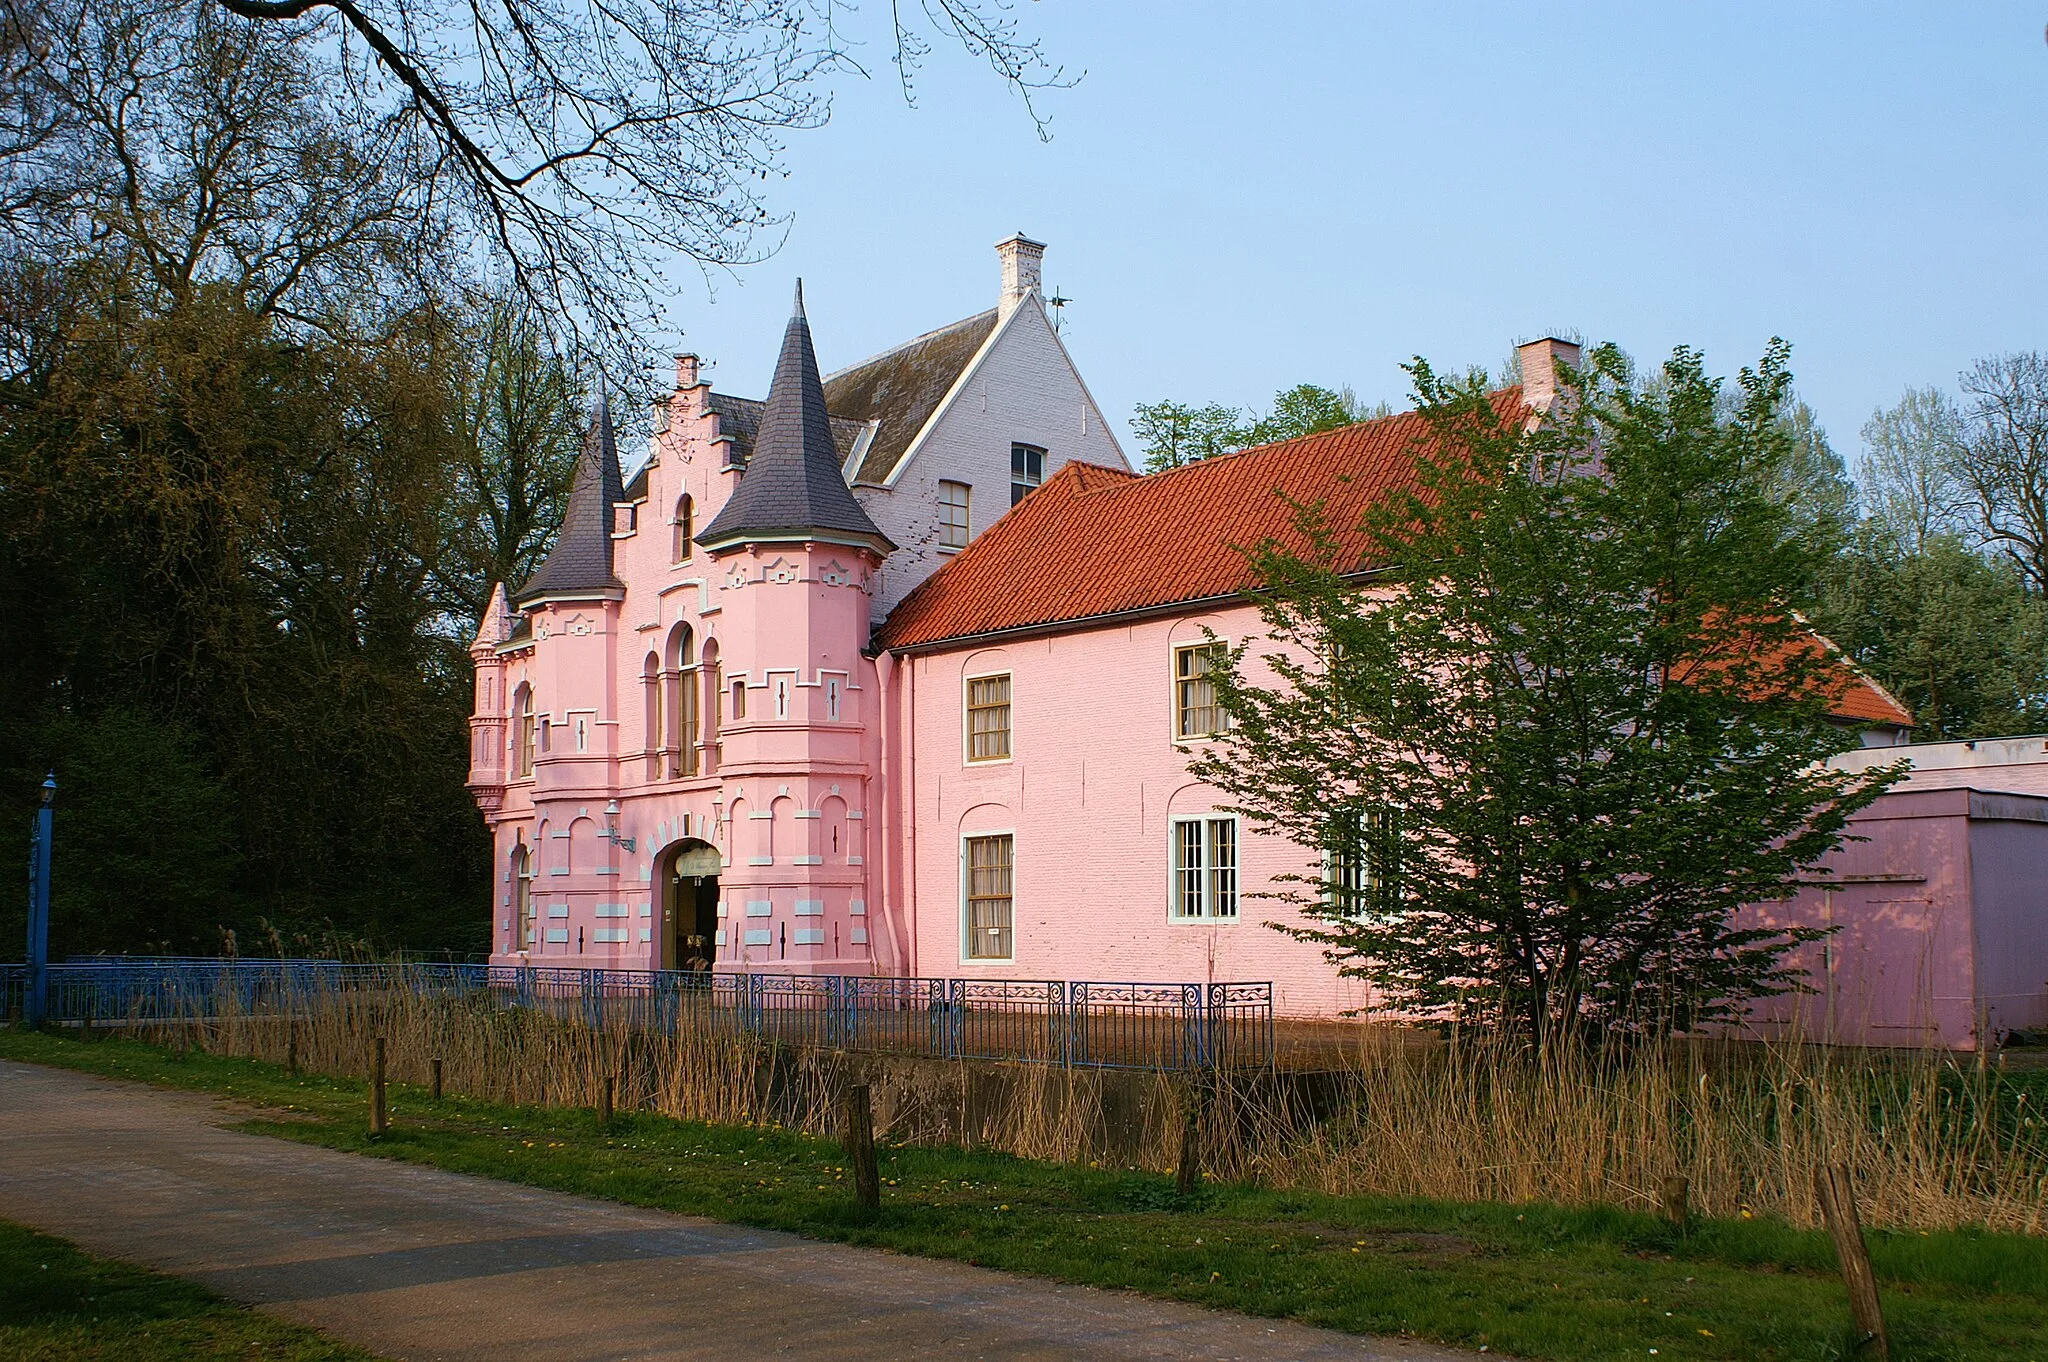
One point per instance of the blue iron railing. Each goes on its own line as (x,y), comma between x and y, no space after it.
(1096,1025)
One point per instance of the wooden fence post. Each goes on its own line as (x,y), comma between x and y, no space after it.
(437,1078)
(858,1118)
(1187,1170)
(379,1117)
(1673,1198)
(1838,1208)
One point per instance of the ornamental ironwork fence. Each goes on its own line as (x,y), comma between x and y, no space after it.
(1088,1024)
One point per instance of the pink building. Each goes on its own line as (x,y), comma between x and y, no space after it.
(1942,904)
(795,701)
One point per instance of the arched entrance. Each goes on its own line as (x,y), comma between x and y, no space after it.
(687,873)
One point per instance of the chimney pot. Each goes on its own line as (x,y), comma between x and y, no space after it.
(1540,359)
(686,371)
(1021,258)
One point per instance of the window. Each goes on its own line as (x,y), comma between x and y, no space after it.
(1364,861)
(988,718)
(739,698)
(683,719)
(1195,711)
(989,902)
(650,706)
(526,735)
(953,497)
(1027,470)
(715,720)
(685,527)
(522,897)
(1205,867)
(832,698)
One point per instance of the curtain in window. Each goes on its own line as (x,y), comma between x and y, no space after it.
(989,902)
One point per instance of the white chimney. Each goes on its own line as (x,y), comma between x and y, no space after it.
(1540,360)
(1021,260)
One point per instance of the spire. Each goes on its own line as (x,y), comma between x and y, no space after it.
(496,625)
(792,487)
(581,560)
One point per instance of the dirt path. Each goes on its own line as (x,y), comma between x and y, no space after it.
(417,1264)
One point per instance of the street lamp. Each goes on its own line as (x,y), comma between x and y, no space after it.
(39,904)
(611,828)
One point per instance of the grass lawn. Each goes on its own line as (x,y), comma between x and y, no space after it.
(1534,1281)
(60,1305)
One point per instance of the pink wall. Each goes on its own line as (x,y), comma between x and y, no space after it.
(1094,780)
(1943,918)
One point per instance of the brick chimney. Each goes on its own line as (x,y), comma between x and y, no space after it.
(1021,260)
(1540,359)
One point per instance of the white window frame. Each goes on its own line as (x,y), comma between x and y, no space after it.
(966,508)
(1173,683)
(1022,484)
(1374,882)
(1213,881)
(967,719)
(966,910)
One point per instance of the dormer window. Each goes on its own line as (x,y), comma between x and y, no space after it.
(1027,470)
(953,504)
(685,527)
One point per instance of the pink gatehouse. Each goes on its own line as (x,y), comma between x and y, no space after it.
(897,672)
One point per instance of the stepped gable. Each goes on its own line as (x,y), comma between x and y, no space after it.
(1096,542)
(899,389)
(581,560)
(792,486)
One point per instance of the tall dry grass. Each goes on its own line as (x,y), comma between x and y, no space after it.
(1930,1144)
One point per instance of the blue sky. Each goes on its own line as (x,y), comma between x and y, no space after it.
(1243,197)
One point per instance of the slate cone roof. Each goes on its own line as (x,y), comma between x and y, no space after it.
(581,559)
(792,485)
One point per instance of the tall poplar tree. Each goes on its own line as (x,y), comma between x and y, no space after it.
(1550,711)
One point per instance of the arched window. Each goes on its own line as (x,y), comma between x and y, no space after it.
(650,704)
(522,897)
(523,732)
(713,673)
(685,527)
(679,703)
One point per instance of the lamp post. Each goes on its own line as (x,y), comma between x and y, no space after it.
(39,905)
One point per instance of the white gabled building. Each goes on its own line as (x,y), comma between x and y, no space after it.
(940,435)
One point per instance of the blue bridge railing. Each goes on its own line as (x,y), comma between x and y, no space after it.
(1175,1026)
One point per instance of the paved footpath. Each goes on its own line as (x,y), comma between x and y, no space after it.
(420,1264)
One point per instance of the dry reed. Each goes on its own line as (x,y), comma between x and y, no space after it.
(1930,1145)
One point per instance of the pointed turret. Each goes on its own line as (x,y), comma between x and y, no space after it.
(581,561)
(793,488)
(496,625)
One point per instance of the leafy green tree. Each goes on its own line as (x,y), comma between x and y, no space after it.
(1957,636)
(1812,480)
(1562,674)
(231,528)
(1174,434)
(1307,409)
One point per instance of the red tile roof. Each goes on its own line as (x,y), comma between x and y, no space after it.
(1095,542)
